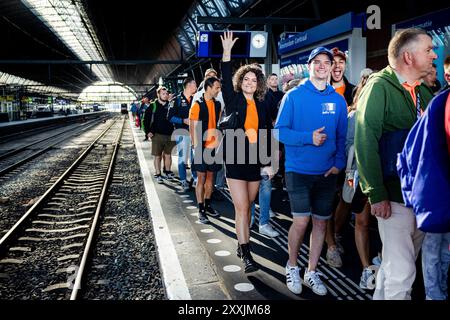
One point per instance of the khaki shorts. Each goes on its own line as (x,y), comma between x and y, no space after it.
(162,143)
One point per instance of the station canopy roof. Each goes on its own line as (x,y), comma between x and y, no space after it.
(69,31)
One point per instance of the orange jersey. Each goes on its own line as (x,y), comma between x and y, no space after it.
(341,90)
(251,122)
(194,114)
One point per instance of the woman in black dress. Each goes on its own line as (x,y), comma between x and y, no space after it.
(244,94)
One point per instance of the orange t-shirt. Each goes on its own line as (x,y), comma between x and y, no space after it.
(251,122)
(412,90)
(194,113)
(341,90)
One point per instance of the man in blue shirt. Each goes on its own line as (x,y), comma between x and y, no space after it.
(312,124)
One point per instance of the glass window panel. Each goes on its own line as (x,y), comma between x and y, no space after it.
(69,21)
(222,8)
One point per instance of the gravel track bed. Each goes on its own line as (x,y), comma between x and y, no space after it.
(125,264)
(19,192)
(44,263)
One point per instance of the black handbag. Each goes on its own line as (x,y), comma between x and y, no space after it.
(230,121)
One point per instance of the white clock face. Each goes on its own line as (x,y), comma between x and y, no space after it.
(258,41)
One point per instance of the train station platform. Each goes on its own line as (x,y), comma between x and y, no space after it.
(199,261)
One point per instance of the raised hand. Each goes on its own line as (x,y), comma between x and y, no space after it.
(227,44)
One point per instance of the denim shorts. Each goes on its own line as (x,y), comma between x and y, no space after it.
(311,194)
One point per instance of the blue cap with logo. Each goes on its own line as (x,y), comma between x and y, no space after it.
(318,51)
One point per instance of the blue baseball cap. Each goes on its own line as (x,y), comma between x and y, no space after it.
(318,51)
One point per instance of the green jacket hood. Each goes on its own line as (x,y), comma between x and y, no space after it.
(387,74)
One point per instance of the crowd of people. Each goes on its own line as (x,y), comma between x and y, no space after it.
(339,148)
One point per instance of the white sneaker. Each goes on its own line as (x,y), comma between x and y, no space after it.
(293,280)
(272,214)
(311,279)
(267,230)
(368,278)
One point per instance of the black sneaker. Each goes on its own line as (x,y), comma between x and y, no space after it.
(238,251)
(212,212)
(158,178)
(250,265)
(203,218)
(169,175)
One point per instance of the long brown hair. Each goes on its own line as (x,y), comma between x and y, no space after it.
(359,87)
(260,79)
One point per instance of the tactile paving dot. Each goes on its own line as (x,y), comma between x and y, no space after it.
(244,287)
(213,241)
(207,230)
(222,253)
(231,268)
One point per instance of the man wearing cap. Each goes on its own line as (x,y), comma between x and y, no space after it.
(312,124)
(338,80)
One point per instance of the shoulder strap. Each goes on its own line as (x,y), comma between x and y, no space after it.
(153,112)
(351,154)
(217,108)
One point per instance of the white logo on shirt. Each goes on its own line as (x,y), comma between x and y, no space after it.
(329,108)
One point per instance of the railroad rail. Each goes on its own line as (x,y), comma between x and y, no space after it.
(56,234)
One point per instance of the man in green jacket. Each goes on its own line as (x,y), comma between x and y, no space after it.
(388,107)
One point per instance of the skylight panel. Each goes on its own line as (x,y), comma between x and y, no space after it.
(70,23)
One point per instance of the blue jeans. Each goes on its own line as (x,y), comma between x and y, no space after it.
(183,147)
(435,263)
(265,195)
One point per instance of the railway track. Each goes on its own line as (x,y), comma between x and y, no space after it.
(44,255)
(13,159)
